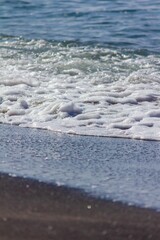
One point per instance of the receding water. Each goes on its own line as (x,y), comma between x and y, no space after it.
(85,68)
(119,169)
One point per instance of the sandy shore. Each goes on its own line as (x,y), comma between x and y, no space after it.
(30,210)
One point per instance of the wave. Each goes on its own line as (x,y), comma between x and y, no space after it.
(80,88)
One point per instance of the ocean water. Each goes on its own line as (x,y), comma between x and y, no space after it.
(81,67)
(84,68)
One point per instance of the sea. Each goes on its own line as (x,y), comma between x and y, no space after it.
(89,70)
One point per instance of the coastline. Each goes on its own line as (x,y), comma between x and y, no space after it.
(31,210)
(79,120)
(124,170)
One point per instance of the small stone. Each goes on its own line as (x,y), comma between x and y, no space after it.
(89,206)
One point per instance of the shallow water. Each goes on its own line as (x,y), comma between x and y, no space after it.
(118,169)
(81,67)
(87,68)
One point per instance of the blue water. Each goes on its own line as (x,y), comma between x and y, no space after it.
(126,24)
(114,45)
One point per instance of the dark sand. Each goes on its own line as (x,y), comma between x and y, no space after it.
(30,210)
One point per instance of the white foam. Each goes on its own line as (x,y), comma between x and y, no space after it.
(15,112)
(80,90)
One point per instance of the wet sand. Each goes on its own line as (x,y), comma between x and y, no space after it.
(30,210)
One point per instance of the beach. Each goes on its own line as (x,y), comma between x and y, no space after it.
(35,204)
(79,120)
(39,211)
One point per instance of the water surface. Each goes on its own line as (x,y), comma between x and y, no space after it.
(118,169)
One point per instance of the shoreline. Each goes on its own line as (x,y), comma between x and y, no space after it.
(32,210)
(120,169)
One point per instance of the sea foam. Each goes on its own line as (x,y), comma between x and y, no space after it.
(80,89)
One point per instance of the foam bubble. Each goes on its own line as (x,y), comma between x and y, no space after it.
(14,112)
